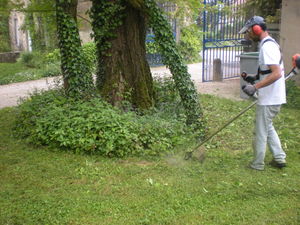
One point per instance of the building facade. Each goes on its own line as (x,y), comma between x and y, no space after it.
(290,32)
(19,38)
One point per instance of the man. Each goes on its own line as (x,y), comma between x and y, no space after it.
(270,89)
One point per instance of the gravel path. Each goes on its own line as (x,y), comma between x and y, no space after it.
(11,93)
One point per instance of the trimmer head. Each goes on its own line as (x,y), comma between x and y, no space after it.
(296,60)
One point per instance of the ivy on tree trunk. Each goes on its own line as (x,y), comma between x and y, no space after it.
(171,57)
(77,79)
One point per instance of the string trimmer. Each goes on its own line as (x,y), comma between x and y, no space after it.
(294,71)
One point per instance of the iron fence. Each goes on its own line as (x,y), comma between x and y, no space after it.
(222,20)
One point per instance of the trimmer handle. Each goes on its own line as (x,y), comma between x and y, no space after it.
(244,74)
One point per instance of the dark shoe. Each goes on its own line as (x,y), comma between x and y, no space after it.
(278,165)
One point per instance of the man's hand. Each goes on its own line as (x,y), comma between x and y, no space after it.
(249,89)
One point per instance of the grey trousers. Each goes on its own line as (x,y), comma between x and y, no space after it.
(264,134)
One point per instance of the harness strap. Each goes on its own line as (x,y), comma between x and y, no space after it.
(264,72)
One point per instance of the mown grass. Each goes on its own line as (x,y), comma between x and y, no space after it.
(9,72)
(40,185)
(19,72)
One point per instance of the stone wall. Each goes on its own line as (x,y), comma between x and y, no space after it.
(9,57)
(290,32)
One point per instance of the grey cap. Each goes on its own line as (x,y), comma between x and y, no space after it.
(251,22)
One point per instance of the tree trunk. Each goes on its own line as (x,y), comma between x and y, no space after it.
(124,71)
(76,76)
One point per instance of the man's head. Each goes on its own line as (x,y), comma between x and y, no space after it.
(254,27)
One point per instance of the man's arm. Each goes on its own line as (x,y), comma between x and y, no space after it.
(275,75)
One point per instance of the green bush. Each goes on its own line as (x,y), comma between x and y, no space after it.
(190,43)
(32,59)
(293,95)
(94,126)
(88,49)
(4,46)
(26,58)
(50,70)
(44,65)
(53,57)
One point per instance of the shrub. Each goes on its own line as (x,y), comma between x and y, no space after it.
(190,43)
(89,51)
(26,58)
(4,46)
(32,59)
(50,70)
(53,57)
(45,65)
(94,126)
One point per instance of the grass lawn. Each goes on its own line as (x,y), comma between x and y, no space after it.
(18,72)
(39,185)
(9,72)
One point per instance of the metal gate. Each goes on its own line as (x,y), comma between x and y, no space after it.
(222,20)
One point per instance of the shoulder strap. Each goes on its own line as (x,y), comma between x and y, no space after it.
(269,39)
(264,72)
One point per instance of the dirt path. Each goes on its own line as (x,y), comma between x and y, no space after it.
(227,89)
(11,93)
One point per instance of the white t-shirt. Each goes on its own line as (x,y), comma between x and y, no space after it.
(273,94)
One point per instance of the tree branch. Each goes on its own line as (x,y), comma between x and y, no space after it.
(85,19)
